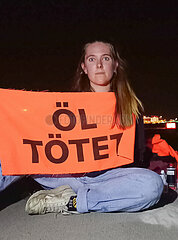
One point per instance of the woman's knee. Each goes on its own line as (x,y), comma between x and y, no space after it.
(153,187)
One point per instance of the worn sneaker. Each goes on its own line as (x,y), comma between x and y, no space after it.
(50,201)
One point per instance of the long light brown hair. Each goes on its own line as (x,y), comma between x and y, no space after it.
(127,104)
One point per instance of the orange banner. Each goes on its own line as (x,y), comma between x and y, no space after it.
(61,133)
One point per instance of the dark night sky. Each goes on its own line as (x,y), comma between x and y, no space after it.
(40,43)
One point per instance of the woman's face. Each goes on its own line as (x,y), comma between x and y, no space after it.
(99,65)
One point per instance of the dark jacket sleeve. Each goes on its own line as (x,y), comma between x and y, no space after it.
(139,148)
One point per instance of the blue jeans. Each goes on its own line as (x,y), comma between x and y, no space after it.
(120,189)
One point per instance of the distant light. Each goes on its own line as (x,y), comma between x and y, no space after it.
(25,110)
(171,125)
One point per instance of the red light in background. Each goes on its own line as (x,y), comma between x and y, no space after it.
(171,125)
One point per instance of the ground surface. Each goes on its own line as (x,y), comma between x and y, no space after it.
(156,224)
